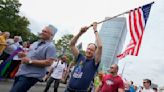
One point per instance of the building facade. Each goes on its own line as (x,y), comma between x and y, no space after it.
(112,34)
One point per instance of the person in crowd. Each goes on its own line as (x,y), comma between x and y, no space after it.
(56,71)
(67,72)
(6,57)
(97,81)
(132,87)
(16,60)
(3,45)
(127,86)
(86,65)
(17,39)
(147,86)
(155,89)
(135,88)
(10,48)
(33,66)
(112,82)
(13,58)
(3,38)
(140,89)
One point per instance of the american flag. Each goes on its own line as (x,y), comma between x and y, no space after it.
(137,22)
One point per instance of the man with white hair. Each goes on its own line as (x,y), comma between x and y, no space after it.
(33,63)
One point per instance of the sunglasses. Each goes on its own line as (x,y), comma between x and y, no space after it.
(145,82)
(111,67)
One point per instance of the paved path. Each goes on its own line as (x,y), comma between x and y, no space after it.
(5,86)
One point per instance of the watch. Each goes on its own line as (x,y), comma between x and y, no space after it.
(30,62)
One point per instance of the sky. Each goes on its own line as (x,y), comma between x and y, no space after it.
(70,15)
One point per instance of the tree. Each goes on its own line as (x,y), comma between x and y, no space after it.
(63,43)
(62,46)
(11,21)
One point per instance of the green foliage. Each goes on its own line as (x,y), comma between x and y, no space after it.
(70,58)
(11,21)
(63,43)
(31,37)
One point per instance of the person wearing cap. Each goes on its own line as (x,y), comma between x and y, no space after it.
(34,63)
(147,86)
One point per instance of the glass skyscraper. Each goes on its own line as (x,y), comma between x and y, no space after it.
(112,34)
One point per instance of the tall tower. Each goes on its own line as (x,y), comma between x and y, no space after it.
(112,34)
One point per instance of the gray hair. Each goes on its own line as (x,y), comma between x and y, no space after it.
(53,30)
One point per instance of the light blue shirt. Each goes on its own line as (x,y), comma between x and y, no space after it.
(42,52)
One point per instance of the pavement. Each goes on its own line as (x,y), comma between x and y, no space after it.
(38,83)
(5,85)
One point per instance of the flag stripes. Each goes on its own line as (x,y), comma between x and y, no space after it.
(137,22)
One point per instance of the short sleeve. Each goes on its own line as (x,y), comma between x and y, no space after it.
(51,52)
(121,84)
(79,57)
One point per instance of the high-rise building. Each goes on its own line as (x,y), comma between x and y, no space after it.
(112,34)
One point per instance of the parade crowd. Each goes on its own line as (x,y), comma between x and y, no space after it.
(29,63)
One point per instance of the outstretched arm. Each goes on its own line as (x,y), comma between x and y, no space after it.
(99,44)
(74,49)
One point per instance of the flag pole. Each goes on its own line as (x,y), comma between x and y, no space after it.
(110,18)
(115,16)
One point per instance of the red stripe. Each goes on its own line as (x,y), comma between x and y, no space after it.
(139,44)
(130,28)
(136,27)
(132,52)
(142,28)
(126,52)
(140,20)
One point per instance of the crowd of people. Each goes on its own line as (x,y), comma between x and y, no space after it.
(28,64)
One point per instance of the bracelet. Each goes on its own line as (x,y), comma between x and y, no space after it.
(95,31)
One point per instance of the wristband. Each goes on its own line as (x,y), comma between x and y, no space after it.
(95,31)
